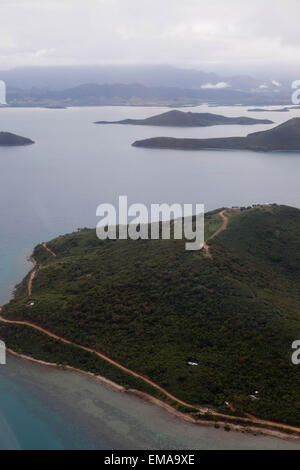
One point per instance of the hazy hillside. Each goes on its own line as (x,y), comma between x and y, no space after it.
(131,94)
(136,85)
(62,77)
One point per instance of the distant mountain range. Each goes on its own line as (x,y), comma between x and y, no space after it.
(136,94)
(136,85)
(64,77)
(177,118)
(285,137)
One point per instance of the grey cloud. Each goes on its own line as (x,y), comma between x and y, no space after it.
(189,32)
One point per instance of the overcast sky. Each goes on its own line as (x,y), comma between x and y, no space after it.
(179,32)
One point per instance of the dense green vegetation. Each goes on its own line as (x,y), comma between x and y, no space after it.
(177,118)
(29,342)
(285,137)
(154,307)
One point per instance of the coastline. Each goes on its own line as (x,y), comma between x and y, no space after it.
(216,419)
(101,379)
(253,430)
(52,359)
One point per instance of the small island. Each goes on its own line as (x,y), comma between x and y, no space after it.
(10,140)
(285,137)
(177,118)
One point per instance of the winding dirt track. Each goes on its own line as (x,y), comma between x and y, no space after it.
(145,379)
(34,272)
(102,356)
(48,249)
(29,285)
(217,232)
(135,374)
(223,226)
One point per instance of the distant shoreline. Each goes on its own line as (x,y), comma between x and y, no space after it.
(138,105)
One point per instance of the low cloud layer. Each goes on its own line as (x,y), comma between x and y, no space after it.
(186,33)
(217,86)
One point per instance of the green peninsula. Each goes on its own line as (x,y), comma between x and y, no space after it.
(285,137)
(210,327)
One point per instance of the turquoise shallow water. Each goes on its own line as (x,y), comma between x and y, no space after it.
(54,187)
(45,408)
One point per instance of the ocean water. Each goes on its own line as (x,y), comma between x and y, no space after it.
(45,408)
(54,187)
